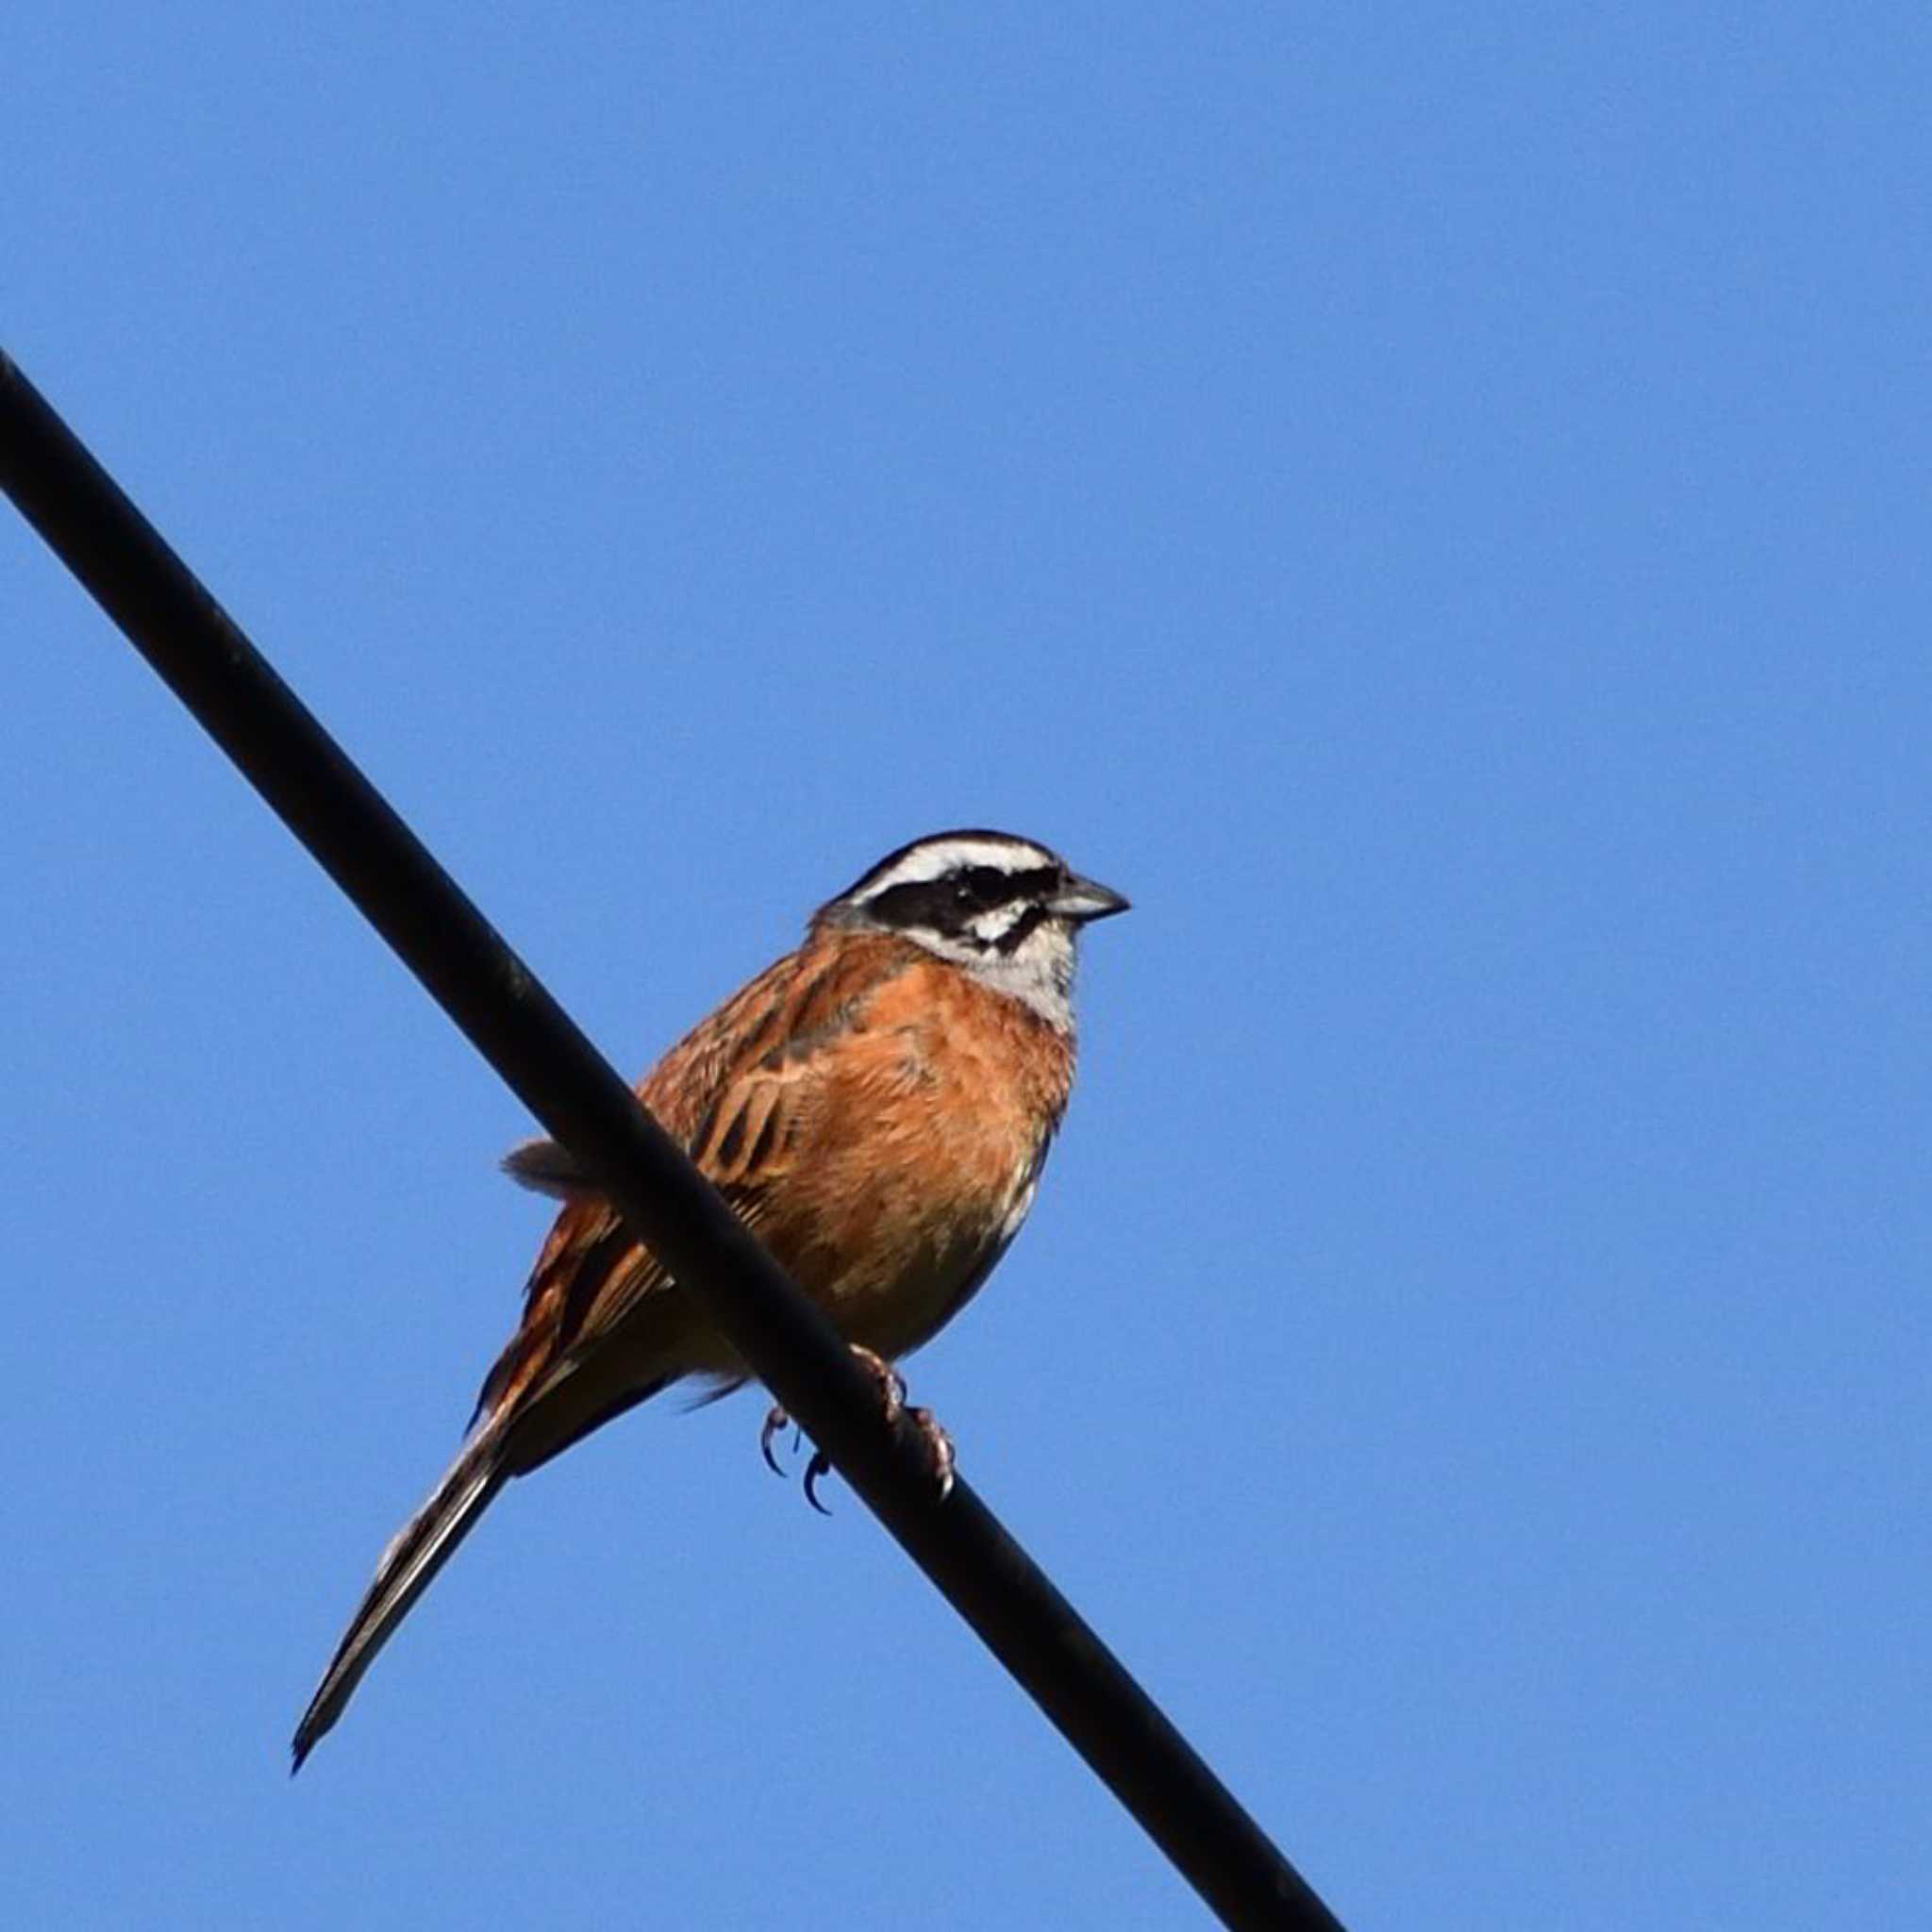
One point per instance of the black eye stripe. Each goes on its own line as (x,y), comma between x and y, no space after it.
(993,887)
(926,901)
(951,903)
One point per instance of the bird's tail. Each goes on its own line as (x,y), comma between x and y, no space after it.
(420,1549)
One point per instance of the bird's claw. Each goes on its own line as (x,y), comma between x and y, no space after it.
(776,1422)
(820,1466)
(891,1387)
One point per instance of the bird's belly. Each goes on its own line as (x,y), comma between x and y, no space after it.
(906,1257)
(893,1318)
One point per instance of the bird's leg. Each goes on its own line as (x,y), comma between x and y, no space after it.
(891,1384)
(892,1388)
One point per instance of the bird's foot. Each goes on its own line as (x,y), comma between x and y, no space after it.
(938,1446)
(891,1387)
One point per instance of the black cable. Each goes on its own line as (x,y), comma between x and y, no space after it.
(441,936)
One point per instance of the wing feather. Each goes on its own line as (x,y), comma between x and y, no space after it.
(743,1094)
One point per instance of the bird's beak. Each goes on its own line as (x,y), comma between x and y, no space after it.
(1081,900)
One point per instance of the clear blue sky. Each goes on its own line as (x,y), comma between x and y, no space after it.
(1432,505)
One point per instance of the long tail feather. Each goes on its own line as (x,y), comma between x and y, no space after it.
(423,1546)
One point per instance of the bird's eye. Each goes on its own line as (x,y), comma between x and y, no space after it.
(981,885)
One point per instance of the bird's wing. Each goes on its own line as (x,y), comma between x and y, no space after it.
(744,1094)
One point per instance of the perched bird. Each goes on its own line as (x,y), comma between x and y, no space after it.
(876,1106)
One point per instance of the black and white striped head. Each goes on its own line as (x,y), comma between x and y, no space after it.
(1003,908)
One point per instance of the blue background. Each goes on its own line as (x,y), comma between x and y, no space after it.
(1432,505)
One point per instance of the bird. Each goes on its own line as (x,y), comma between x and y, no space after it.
(876,1106)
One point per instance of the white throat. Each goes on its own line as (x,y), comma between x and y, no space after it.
(1038,971)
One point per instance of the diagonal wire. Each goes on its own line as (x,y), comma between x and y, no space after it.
(493,996)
